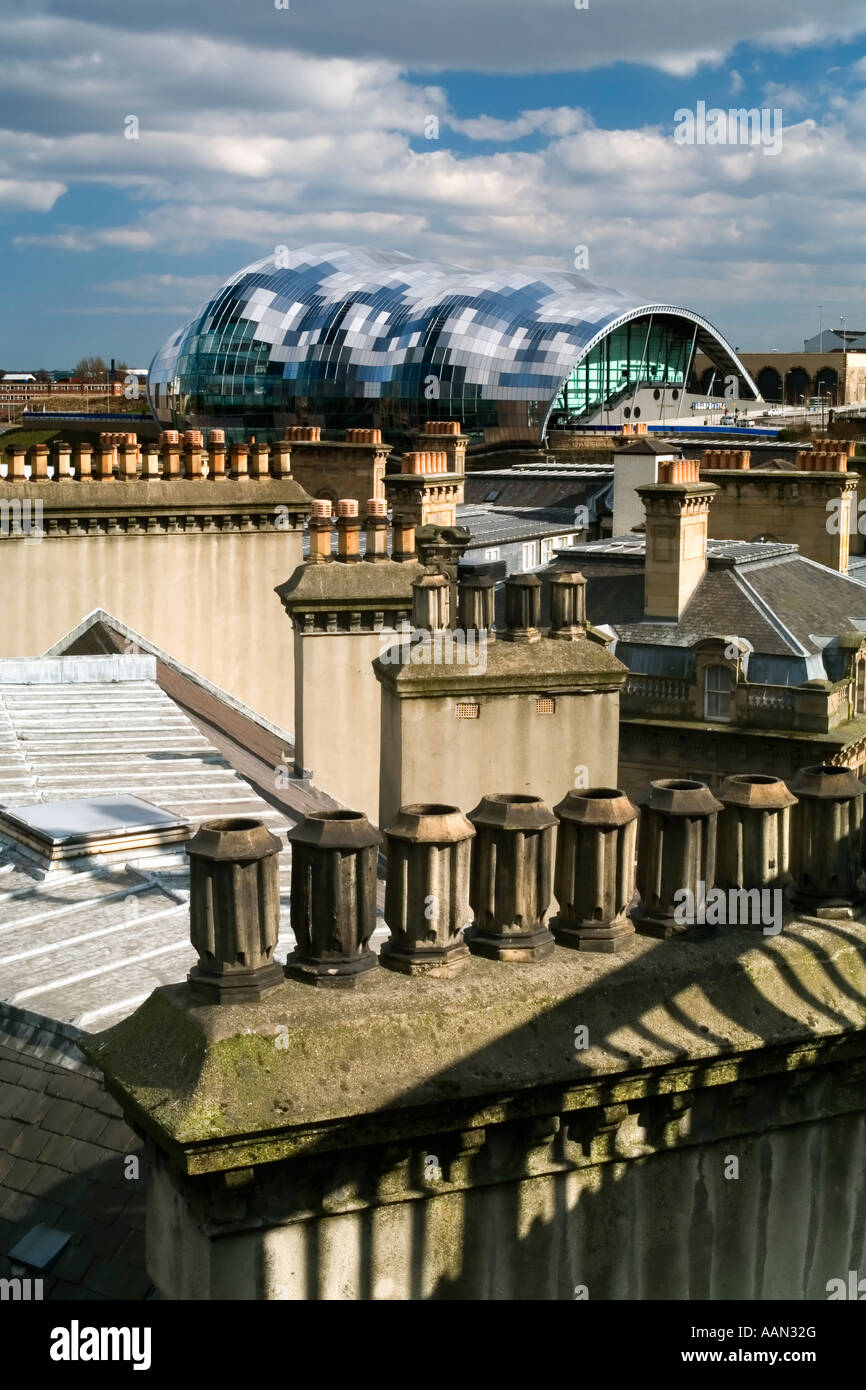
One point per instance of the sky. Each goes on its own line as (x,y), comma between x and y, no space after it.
(149,151)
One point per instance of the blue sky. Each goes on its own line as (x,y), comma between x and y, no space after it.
(259,127)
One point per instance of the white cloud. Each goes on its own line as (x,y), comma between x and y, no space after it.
(30,194)
(244,148)
(677,37)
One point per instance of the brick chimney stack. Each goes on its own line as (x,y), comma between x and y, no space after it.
(216,453)
(677,519)
(320,531)
(377,530)
(403,542)
(348,531)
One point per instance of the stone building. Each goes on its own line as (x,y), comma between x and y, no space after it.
(396,657)
(455,702)
(741,656)
(809,501)
(446,1121)
(181,542)
(793,377)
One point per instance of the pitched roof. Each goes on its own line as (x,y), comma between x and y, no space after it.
(63,1164)
(782,603)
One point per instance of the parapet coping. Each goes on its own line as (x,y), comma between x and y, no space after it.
(547,665)
(222,1087)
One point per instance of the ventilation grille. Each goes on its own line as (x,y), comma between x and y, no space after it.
(544,705)
(467,710)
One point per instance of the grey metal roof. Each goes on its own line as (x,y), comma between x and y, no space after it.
(86,945)
(492,526)
(83,946)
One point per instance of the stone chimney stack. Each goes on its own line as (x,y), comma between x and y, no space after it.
(522,608)
(476,604)
(431,606)
(568,606)
(677,520)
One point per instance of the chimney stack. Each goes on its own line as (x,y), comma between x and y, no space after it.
(476,603)
(431,602)
(216,453)
(169,448)
(334,859)
(403,540)
(522,608)
(348,531)
(568,607)
(677,519)
(234,909)
(377,530)
(320,531)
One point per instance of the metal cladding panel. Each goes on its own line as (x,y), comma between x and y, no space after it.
(372,325)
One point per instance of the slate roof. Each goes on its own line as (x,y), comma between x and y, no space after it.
(778,600)
(63,1152)
(520,489)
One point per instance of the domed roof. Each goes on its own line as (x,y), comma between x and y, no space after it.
(342,321)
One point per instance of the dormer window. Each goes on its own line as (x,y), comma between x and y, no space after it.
(718,690)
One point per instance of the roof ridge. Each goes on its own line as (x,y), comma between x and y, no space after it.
(772,618)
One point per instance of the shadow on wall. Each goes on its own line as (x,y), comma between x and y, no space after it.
(561,1204)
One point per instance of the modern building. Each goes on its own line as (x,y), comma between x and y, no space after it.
(339,337)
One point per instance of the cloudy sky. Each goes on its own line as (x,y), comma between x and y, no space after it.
(475,131)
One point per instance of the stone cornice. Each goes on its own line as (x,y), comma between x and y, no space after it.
(305,1070)
(159,507)
(508,668)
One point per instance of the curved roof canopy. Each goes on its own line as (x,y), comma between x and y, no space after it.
(330,320)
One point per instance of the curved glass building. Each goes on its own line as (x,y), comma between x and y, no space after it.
(340,337)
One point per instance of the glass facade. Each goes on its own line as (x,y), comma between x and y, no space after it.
(340,337)
(652,351)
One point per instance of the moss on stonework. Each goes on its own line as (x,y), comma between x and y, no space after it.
(234,1085)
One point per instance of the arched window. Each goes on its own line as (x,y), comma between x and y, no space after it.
(718,690)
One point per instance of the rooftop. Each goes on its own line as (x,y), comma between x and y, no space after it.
(782,603)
